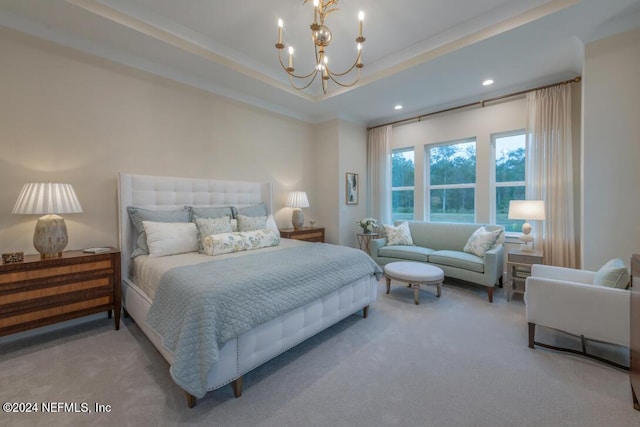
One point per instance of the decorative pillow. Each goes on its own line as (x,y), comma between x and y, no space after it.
(209,226)
(211,211)
(398,235)
(170,238)
(271,224)
(251,223)
(138,215)
(242,241)
(234,224)
(252,210)
(613,274)
(481,241)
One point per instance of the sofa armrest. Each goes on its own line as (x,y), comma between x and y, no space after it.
(570,307)
(562,273)
(375,245)
(494,264)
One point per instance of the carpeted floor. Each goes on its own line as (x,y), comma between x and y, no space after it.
(451,361)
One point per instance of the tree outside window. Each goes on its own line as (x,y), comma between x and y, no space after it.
(452,182)
(402,184)
(509,176)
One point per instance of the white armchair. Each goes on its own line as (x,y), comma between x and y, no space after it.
(566,299)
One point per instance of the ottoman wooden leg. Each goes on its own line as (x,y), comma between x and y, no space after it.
(416,293)
(439,289)
(388,285)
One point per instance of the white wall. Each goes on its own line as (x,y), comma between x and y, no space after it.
(611,149)
(353,159)
(69,117)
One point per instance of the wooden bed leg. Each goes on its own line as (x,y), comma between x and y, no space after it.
(532,335)
(191,400)
(490,292)
(237,387)
(365,312)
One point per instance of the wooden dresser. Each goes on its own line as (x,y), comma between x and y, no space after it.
(42,291)
(634,350)
(308,234)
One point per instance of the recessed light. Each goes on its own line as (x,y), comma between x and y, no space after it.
(487,82)
(398,107)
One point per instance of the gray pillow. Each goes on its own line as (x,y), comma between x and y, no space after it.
(253,210)
(212,212)
(138,215)
(613,274)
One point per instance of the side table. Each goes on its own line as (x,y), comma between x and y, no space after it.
(364,239)
(519,267)
(308,234)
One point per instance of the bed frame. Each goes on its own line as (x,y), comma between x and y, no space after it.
(266,341)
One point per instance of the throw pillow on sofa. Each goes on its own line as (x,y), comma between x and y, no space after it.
(613,274)
(481,241)
(398,235)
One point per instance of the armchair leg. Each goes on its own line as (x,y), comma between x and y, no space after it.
(490,292)
(532,335)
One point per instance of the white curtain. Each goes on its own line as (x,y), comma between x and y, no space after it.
(550,173)
(379,174)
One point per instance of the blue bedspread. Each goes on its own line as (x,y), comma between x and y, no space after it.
(200,307)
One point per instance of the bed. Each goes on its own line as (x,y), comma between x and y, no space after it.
(260,343)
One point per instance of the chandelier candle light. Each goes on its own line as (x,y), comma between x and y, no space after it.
(321,36)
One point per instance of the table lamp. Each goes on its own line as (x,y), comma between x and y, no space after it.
(528,210)
(50,236)
(297,200)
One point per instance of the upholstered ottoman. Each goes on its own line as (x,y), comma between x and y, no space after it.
(415,274)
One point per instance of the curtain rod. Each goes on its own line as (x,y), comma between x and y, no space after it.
(481,103)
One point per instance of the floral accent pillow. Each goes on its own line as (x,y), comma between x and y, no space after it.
(251,223)
(398,235)
(481,241)
(209,226)
(225,243)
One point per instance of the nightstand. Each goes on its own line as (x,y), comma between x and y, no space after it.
(308,234)
(41,291)
(519,267)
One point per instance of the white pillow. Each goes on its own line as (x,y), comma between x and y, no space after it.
(225,243)
(481,241)
(400,235)
(271,224)
(170,238)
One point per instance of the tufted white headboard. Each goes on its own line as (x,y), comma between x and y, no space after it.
(165,193)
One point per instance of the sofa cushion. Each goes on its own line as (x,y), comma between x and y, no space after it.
(400,235)
(457,259)
(414,253)
(613,274)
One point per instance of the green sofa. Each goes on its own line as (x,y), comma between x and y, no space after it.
(441,244)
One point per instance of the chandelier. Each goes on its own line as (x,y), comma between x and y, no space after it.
(321,36)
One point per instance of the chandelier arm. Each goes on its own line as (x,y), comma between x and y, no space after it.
(315,74)
(331,76)
(348,71)
(290,72)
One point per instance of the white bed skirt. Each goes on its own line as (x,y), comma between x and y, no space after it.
(263,343)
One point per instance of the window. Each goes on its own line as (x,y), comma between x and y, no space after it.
(509,149)
(402,184)
(452,181)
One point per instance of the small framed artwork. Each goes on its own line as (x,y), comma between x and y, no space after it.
(352,188)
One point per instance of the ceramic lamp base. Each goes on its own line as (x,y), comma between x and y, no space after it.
(50,236)
(297,219)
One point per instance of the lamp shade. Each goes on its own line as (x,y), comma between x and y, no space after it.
(532,210)
(47,198)
(297,199)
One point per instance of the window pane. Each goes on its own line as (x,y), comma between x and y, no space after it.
(402,207)
(503,196)
(453,205)
(510,158)
(453,164)
(402,169)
